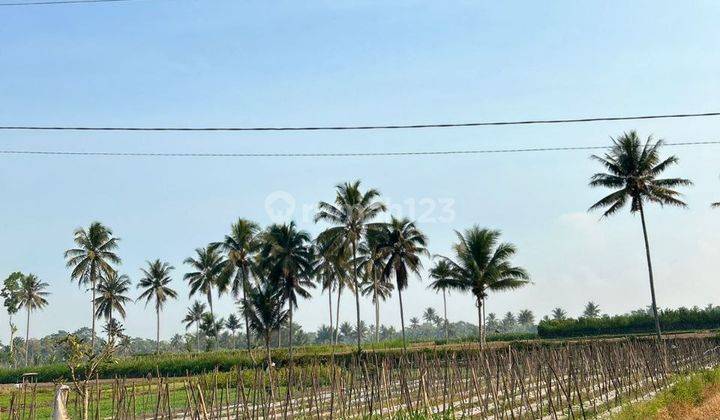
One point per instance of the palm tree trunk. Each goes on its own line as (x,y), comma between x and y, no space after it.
(247,326)
(288,397)
(27,337)
(402,320)
(447,334)
(209,298)
(377,313)
(357,296)
(484,327)
(197,336)
(12,339)
(650,274)
(337,315)
(157,342)
(267,351)
(92,329)
(480,328)
(332,331)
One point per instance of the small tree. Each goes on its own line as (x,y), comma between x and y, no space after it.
(83,364)
(9,293)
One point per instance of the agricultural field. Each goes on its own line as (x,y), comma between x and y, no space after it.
(532,380)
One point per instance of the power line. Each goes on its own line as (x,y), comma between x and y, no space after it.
(362,127)
(338,154)
(47,3)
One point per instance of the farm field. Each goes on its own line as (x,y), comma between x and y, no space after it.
(558,380)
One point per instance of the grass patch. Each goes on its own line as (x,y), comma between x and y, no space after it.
(688,391)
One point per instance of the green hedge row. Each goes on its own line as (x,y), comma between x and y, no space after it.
(682,319)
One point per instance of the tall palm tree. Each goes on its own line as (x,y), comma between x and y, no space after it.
(442,276)
(632,171)
(194,316)
(404,245)
(239,247)
(330,269)
(264,307)
(287,255)
(371,264)
(111,295)
(93,258)
(352,215)
(155,282)
(482,265)
(31,297)
(208,266)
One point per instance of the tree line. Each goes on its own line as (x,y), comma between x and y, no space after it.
(270,271)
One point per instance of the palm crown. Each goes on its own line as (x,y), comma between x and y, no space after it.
(632,170)
(94,254)
(442,276)
(112,295)
(155,281)
(483,264)
(239,247)
(31,294)
(287,257)
(403,245)
(208,266)
(351,213)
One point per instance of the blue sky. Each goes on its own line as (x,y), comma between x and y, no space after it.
(216,62)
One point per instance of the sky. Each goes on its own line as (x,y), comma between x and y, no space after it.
(256,63)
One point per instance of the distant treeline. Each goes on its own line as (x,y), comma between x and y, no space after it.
(640,321)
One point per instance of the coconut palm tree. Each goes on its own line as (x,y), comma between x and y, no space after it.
(330,269)
(559,314)
(287,257)
(509,322)
(239,247)
(233,324)
(111,296)
(482,265)
(371,264)
(194,316)
(208,266)
(264,308)
(378,289)
(31,296)
(592,310)
(442,276)
(212,328)
(430,315)
(404,244)
(155,282)
(526,317)
(352,215)
(633,169)
(93,258)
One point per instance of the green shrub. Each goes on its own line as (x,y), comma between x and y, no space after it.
(682,319)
